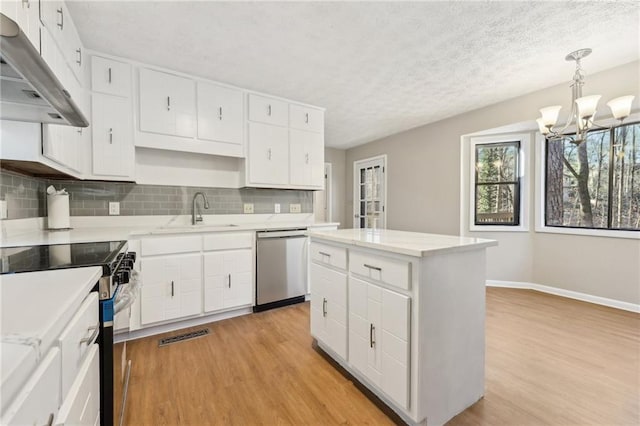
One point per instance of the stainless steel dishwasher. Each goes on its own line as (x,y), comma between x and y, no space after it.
(281,272)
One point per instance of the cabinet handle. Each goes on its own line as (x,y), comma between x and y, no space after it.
(324,254)
(61,24)
(269,110)
(95,329)
(375,268)
(269,153)
(229,280)
(109,75)
(27,3)
(79,61)
(172,293)
(220,113)
(372,331)
(79,130)
(324,306)
(306,118)
(110,135)
(168,103)
(306,158)
(50,421)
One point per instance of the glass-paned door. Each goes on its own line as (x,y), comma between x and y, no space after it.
(369,193)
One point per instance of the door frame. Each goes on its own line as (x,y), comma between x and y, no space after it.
(328,172)
(357,165)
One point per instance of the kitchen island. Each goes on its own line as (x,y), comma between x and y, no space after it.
(403,312)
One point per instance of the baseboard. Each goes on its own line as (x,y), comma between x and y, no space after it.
(612,303)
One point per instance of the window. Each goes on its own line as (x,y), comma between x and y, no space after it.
(497,184)
(596,184)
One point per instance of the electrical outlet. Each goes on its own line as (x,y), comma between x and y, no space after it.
(114,208)
(276,207)
(248,207)
(294,208)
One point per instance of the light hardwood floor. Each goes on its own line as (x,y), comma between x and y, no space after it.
(549,360)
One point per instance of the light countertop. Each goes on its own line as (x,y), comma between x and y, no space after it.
(35,307)
(402,242)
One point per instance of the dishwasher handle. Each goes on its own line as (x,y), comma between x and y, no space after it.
(283,234)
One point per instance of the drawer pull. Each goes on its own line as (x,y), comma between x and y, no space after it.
(375,268)
(95,330)
(61,24)
(79,61)
(372,331)
(172,293)
(324,306)
(324,254)
(229,280)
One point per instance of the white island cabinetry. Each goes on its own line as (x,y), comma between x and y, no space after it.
(414,331)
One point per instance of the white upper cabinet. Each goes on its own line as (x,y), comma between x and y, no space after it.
(26,13)
(304,118)
(268,110)
(268,155)
(306,161)
(167,104)
(112,130)
(219,113)
(110,77)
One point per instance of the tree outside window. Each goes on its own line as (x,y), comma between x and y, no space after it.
(595,184)
(497,184)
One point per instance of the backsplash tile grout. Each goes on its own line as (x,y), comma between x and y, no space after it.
(26,198)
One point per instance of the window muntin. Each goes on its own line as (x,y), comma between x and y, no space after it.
(497,184)
(594,185)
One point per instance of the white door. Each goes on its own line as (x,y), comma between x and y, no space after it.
(167,104)
(268,154)
(219,113)
(369,193)
(112,128)
(322,199)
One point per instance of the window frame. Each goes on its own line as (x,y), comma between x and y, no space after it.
(541,191)
(524,178)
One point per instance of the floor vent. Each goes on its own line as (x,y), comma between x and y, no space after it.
(182,337)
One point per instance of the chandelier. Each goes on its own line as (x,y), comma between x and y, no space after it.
(583,108)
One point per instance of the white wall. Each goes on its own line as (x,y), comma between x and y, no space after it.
(424,176)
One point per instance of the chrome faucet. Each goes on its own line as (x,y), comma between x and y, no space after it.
(196,216)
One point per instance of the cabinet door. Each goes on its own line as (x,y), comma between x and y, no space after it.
(63,144)
(110,77)
(26,14)
(268,110)
(268,154)
(304,118)
(171,287)
(112,129)
(219,113)
(329,308)
(81,407)
(167,104)
(215,280)
(306,160)
(365,314)
(394,336)
(239,270)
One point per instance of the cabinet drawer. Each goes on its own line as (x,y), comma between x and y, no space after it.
(110,77)
(390,271)
(227,241)
(329,255)
(76,339)
(304,118)
(268,110)
(170,245)
(82,404)
(38,401)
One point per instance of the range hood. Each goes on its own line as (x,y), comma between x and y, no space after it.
(29,90)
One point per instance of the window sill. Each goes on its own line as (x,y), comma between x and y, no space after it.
(608,233)
(498,228)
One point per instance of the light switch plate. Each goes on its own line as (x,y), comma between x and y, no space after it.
(114,208)
(276,207)
(248,207)
(295,208)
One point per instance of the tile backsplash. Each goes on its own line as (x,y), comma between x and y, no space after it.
(25,197)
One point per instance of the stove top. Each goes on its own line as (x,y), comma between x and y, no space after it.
(60,256)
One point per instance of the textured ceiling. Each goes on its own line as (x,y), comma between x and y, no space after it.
(378,67)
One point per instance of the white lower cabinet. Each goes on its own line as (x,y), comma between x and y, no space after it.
(82,404)
(171,287)
(329,308)
(379,337)
(228,279)
(38,401)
